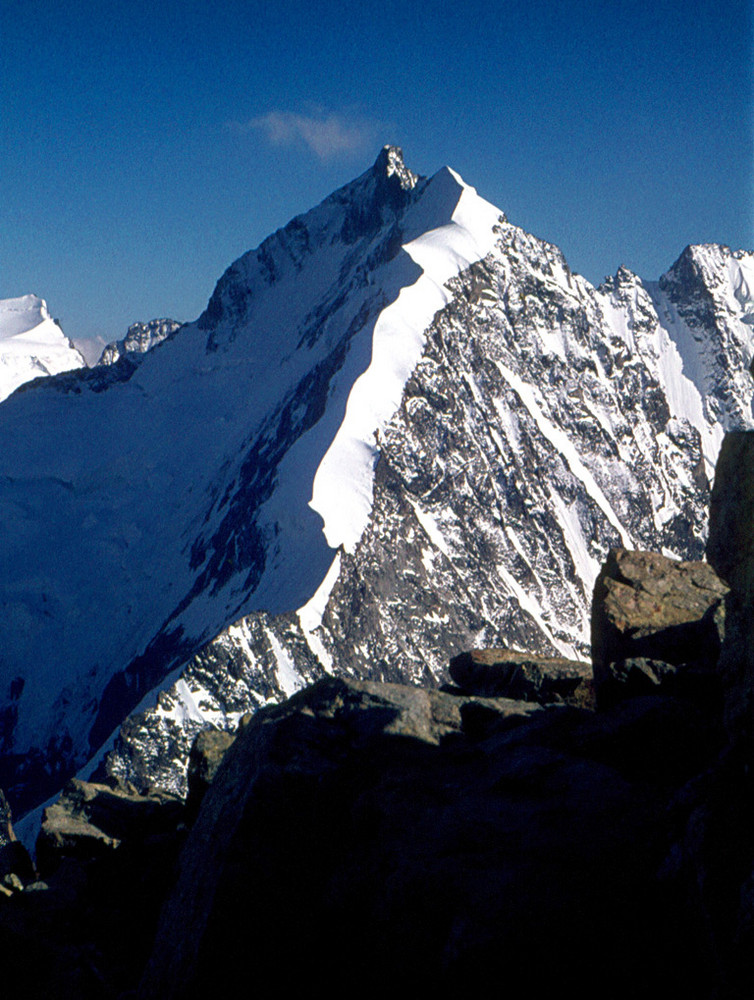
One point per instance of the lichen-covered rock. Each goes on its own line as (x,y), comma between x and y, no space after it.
(730,550)
(510,673)
(657,624)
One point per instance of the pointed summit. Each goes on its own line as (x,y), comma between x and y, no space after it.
(390,163)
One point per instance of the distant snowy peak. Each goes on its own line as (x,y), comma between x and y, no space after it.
(705,302)
(31,344)
(140,338)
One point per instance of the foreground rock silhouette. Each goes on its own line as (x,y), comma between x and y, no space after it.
(426,840)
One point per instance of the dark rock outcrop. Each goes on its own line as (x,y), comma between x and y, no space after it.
(84,930)
(509,673)
(428,840)
(656,624)
(6,818)
(139,338)
(90,820)
(731,551)
(376,830)
(14,858)
(205,756)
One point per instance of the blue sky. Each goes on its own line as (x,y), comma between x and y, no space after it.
(146,146)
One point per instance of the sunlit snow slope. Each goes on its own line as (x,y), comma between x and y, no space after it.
(31,344)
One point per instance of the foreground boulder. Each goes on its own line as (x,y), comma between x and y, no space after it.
(730,550)
(376,833)
(106,857)
(15,861)
(90,819)
(657,625)
(509,673)
(207,751)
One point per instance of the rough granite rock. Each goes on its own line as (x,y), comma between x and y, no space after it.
(510,673)
(207,751)
(373,832)
(85,932)
(90,819)
(730,550)
(656,624)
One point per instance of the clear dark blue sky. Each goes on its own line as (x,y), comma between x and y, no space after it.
(147,145)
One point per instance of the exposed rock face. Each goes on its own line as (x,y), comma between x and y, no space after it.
(656,623)
(697,292)
(731,551)
(140,338)
(396,830)
(540,428)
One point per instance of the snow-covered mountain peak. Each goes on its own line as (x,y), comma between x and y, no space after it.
(401,427)
(31,343)
(710,272)
(19,315)
(623,278)
(704,302)
(360,224)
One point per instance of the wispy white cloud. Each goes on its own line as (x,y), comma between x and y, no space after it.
(326,135)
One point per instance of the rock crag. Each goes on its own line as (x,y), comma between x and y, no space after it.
(656,623)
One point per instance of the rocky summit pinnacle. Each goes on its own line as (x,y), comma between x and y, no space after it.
(390,163)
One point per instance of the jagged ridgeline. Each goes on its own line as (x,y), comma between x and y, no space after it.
(402,428)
